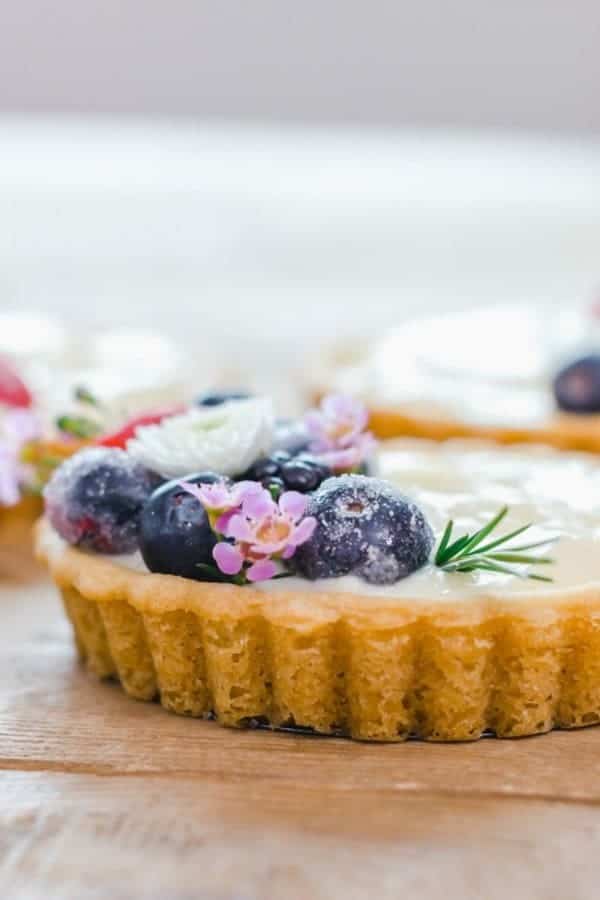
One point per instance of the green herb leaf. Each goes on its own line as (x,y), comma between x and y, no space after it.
(85,396)
(78,426)
(469,552)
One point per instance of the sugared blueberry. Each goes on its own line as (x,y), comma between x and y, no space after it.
(95,499)
(577,386)
(216,398)
(364,527)
(175,536)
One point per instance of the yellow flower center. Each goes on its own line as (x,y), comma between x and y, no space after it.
(339,430)
(273,531)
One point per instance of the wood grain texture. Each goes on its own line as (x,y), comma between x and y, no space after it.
(102,796)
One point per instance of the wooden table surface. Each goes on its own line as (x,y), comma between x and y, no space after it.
(103,797)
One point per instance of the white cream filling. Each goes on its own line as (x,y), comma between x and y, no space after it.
(469,483)
(488,367)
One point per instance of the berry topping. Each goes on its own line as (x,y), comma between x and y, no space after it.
(577,386)
(254,531)
(126,432)
(176,537)
(95,499)
(218,397)
(364,527)
(303,473)
(12,390)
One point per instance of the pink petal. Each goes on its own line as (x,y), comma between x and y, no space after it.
(293,504)
(222,523)
(265,549)
(228,558)
(303,531)
(341,460)
(288,552)
(340,407)
(244,489)
(314,422)
(257,506)
(261,570)
(337,406)
(349,437)
(239,528)
(215,496)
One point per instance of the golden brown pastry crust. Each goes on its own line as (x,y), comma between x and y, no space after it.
(370,668)
(16,523)
(563,431)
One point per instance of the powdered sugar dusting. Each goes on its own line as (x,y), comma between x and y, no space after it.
(365,527)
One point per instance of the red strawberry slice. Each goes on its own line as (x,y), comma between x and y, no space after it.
(12,390)
(119,438)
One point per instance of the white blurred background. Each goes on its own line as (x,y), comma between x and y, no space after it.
(259,178)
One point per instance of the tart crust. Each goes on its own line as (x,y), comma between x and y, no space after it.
(563,431)
(16,523)
(375,669)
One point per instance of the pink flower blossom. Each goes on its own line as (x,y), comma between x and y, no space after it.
(17,428)
(221,499)
(350,458)
(338,434)
(257,530)
(264,530)
(221,496)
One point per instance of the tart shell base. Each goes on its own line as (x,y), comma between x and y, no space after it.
(334,663)
(564,431)
(16,523)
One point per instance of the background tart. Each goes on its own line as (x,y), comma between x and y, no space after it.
(485,373)
(438,655)
(16,524)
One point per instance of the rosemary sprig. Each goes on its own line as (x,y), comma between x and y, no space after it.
(471,552)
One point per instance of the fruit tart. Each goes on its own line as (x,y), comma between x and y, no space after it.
(509,374)
(294,575)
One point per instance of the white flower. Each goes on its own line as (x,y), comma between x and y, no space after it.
(225,439)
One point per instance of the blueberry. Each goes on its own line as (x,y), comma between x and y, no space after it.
(364,527)
(577,386)
(300,476)
(323,470)
(175,536)
(302,472)
(261,469)
(94,499)
(281,456)
(216,398)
